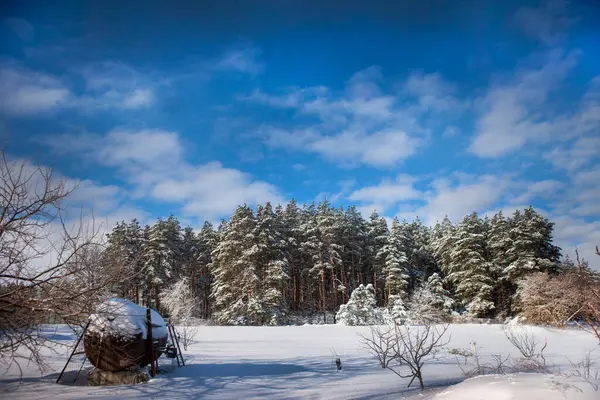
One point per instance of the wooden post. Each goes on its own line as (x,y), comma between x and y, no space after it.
(149,342)
(73,352)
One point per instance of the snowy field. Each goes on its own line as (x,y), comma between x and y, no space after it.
(297,362)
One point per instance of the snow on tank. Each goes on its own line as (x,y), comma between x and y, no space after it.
(116,337)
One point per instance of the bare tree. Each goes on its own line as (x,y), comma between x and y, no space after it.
(50,270)
(405,349)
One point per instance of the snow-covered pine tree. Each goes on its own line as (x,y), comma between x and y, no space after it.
(202,277)
(354,236)
(190,251)
(377,239)
(532,249)
(396,263)
(312,249)
(442,242)
(236,289)
(272,265)
(329,224)
(469,271)
(420,257)
(161,258)
(431,302)
(498,244)
(293,235)
(124,256)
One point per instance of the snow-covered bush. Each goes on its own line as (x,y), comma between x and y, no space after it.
(178,301)
(360,309)
(431,302)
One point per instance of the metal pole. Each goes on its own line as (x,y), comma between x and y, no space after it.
(73,352)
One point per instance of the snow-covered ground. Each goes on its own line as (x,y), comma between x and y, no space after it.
(298,362)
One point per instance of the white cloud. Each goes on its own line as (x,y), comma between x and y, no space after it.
(517,112)
(540,189)
(107,86)
(387,192)
(434,93)
(576,155)
(25,92)
(362,125)
(458,200)
(241,58)
(153,163)
(211,190)
(298,167)
(138,98)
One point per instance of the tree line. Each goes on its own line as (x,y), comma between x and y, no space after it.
(262,265)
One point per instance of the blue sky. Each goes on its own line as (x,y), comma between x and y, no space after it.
(427,108)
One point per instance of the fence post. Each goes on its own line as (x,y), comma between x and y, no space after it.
(150,342)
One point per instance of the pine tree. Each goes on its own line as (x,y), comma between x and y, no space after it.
(292,234)
(431,302)
(354,236)
(272,264)
(469,271)
(442,242)
(420,256)
(376,242)
(202,277)
(236,290)
(162,253)
(313,252)
(124,256)
(329,225)
(396,265)
(499,244)
(532,249)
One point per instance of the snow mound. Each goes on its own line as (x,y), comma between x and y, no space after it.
(520,386)
(123,318)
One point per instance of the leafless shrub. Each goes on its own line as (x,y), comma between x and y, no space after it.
(405,349)
(186,335)
(466,353)
(586,369)
(523,339)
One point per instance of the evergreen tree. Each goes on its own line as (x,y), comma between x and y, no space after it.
(396,265)
(202,277)
(329,225)
(236,290)
(420,257)
(354,236)
(292,234)
(377,239)
(162,263)
(499,244)
(532,249)
(442,242)
(469,271)
(272,265)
